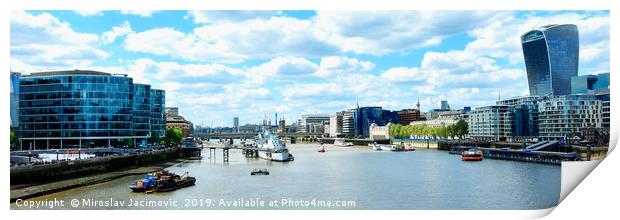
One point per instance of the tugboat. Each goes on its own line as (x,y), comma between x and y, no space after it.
(143,185)
(259,171)
(473,154)
(162,181)
(171,182)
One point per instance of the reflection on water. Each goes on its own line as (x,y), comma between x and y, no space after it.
(424,179)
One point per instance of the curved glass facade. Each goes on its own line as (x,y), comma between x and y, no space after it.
(551,56)
(68,109)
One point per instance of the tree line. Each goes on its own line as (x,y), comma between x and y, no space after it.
(460,130)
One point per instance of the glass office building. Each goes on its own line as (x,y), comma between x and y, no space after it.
(141,113)
(15,99)
(80,108)
(158,112)
(523,112)
(551,57)
(365,116)
(589,83)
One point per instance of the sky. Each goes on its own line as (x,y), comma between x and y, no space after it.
(216,65)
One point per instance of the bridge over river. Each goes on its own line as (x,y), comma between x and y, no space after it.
(250,135)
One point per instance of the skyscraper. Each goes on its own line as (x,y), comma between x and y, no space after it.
(551,55)
(236,124)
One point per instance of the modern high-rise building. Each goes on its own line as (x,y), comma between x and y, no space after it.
(561,116)
(589,83)
(365,116)
(406,116)
(444,105)
(312,123)
(603,95)
(82,108)
(523,115)
(551,55)
(492,123)
(236,124)
(15,99)
(158,112)
(141,112)
(335,124)
(348,122)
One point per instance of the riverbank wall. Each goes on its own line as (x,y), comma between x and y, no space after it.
(79,168)
(359,142)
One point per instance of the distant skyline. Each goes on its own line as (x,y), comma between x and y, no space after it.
(216,65)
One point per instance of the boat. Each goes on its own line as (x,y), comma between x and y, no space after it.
(375,147)
(321,149)
(143,185)
(259,171)
(472,154)
(270,147)
(341,143)
(172,182)
(148,182)
(409,147)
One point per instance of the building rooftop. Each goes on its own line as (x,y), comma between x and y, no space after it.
(71,72)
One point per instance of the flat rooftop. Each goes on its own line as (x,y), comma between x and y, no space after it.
(71,72)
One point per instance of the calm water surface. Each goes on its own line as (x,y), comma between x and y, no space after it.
(424,179)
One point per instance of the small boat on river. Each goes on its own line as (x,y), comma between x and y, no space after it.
(173,182)
(473,154)
(321,149)
(162,181)
(259,171)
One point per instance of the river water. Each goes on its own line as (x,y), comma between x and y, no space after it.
(345,178)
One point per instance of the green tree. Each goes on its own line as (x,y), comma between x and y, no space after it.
(461,128)
(173,137)
(155,138)
(130,143)
(13,139)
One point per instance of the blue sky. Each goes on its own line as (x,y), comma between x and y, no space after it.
(216,65)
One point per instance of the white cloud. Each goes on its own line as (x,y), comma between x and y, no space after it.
(334,65)
(230,15)
(404,74)
(371,32)
(118,31)
(235,41)
(176,44)
(42,42)
(500,39)
(281,66)
(141,13)
(89,12)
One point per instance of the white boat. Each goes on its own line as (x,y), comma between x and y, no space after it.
(375,147)
(340,142)
(388,147)
(270,147)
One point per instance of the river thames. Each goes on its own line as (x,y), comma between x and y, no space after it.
(344,178)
